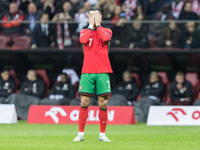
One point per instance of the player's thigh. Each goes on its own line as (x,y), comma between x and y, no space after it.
(87,85)
(103,84)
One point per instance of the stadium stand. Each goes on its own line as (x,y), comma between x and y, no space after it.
(21,42)
(42,73)
(136,77)
(4,40)
(164,78)
(154,19)
(15,78)
(194,80)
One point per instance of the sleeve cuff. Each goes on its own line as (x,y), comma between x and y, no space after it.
(90,26)
(98,26)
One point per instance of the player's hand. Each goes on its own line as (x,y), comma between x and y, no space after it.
(34,46)
(91,19)
(98,19)
(168,43)
(131,45)
(187,99)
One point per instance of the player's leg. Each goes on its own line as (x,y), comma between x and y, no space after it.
(103,115)
(83,114)
(103,90)
(86,90)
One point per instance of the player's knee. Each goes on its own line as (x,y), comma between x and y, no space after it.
(103,104)
(85,100)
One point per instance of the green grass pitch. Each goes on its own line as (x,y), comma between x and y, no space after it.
(23,136)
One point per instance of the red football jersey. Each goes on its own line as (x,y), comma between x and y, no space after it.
(95,49)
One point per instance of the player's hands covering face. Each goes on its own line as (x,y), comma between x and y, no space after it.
(91,18)
(97,18)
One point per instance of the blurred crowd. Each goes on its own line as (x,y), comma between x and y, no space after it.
(34,89)
(57,23)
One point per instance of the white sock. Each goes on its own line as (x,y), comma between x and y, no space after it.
(81,133)
(102,134)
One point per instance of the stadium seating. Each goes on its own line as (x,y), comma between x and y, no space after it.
(164,78)
(152,41)
(4,40)
(15,78)
(21,42)
(135,75)
(42,73)
(193,78)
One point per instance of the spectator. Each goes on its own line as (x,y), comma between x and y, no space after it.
(23,5)
(165,14)
(72,75)
(76,6)
(31,91)
(4,7)
(170,35)
(189,38)
(152,94)
(196,7)
(127,88)
(130,7)
(177,6)
(62,35)
(116,15)
(82,16)
(151,7)
(93,2)
(138,13)
(47,6)
(187,13)
(58,5)
(61,93)
(107,7)
(156,29)
(138,35)
(121,32)
(180,91)
(32,16)
(42,34)
(67,7)
(12,22)
(7,85)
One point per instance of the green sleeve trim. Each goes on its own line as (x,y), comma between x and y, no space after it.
(108,46)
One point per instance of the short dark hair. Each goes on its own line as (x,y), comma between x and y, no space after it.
(43,14)
(179,73)
(64,74)
(95,9)
(5,70)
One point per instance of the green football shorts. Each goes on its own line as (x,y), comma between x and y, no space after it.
(95,81)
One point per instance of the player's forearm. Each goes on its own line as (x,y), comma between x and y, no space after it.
(103,34)
(84,37)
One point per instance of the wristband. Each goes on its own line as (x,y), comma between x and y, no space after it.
(90,26)
(182,99)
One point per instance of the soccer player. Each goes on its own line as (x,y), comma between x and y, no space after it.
(96,66)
